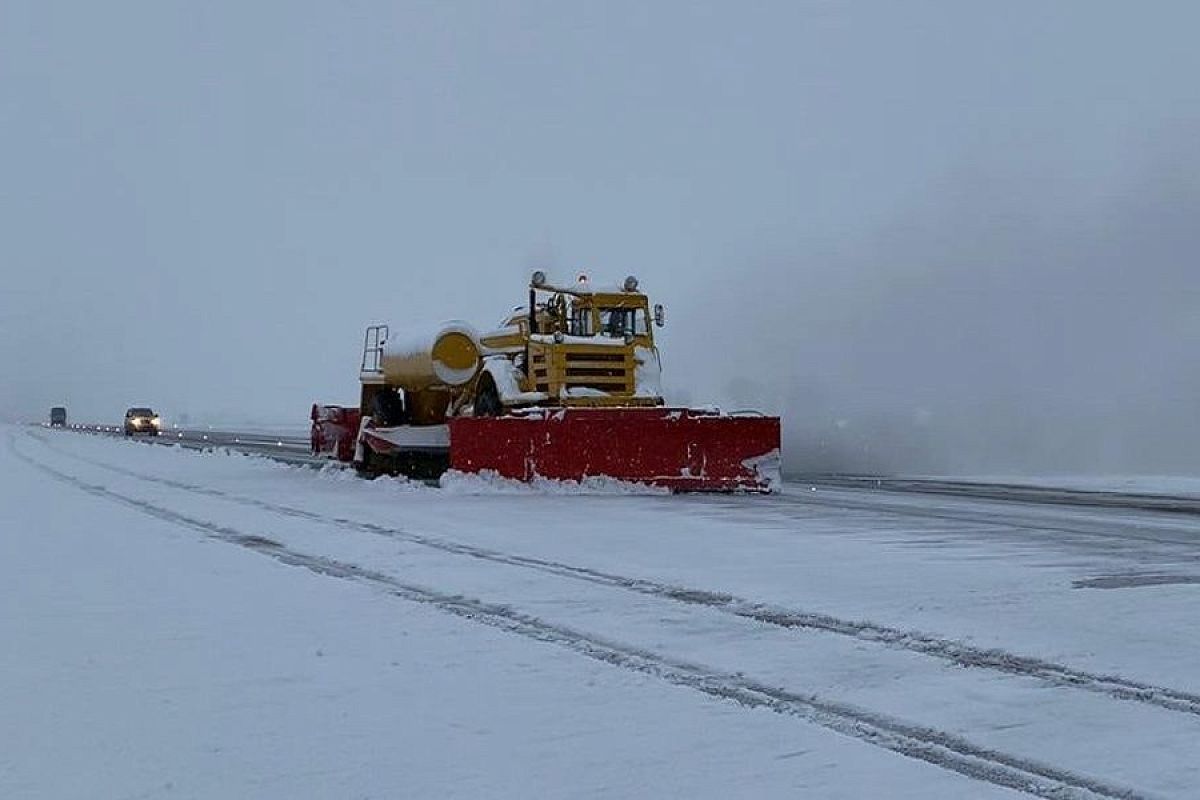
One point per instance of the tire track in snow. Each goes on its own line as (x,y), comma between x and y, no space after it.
(953,651)
(933,746)
(1017,492)
(993,519)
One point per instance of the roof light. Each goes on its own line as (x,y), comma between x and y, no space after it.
(631,283)
(539,278)
(583,278)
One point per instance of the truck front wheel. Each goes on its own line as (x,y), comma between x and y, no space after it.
(487,399)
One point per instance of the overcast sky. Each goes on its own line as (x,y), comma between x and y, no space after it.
(934,235)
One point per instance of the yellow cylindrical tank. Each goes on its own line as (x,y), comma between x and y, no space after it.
(449,358)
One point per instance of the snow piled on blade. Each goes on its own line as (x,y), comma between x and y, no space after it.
(768,469)
(489,482)
(648,374)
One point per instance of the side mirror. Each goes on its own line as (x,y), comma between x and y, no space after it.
(313,413)
(660,315)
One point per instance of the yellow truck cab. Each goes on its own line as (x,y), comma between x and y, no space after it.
(572,346)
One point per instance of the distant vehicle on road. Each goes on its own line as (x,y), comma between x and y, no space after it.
(58,417)
(140,419)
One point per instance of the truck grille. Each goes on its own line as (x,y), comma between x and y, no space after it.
(568,367)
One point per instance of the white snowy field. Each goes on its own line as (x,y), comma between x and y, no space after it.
(177,624)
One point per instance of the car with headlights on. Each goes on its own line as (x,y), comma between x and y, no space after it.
(142,420)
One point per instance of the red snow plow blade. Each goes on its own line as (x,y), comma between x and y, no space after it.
(683,450)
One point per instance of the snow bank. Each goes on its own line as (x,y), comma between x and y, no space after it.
(489,482)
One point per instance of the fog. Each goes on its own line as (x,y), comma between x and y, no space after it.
(935,236)
(1008,322)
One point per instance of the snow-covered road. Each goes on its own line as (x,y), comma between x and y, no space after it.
(212,625)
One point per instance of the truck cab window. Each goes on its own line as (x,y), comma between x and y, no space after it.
(581,322)
(617,322)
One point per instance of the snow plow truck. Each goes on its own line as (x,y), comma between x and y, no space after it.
(567,388)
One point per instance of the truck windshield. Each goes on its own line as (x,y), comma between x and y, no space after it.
(140,412)
(617,322)
(580,323)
